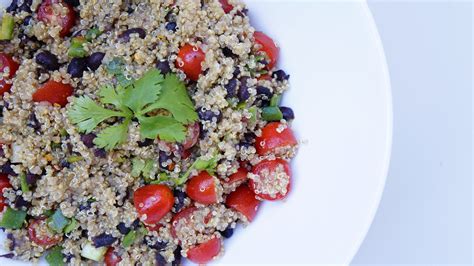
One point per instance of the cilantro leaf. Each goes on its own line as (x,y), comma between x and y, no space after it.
(87,114)
(200,164)
(137,166)
(110,95)
(112,136)
(143,91)
(168,128)
(174,98)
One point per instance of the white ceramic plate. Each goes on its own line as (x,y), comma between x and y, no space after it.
(341,96)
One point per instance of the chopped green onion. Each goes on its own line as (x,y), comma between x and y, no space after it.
(8,23)
(57,221)
(271,113)
(71,226)
(129,238)
(77,47)
(92,34)
(93,253)
(23,184)
(13,219)
(74,159)
(55,256)
(275,101)
(253,112)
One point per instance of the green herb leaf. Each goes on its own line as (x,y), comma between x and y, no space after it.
(110,95)
(55,256)
(129,238)
(116,67)
(13,219)
(143,91)
(77,47)
(137,166)
(87,114)
(23,184)
(57,221)
(168,128)
(200,164)
(71,226)
(112,136)
(92,34)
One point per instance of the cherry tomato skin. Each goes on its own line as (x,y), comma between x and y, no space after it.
(264,77)
(42,240)
(205,252)
(53,92)
(190,61)
(153,200)
(202,188)
(111,258)
(244,201)
(183,214)
(269,47)
(7,61)
(270,166)
(4,183)
(226,6)
(47,15)
(192,136)
(237,177)
(271,139)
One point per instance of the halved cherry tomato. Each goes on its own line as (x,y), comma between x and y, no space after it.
(237,177)
(155,201)
(226,6)
(111,257)
(202,188)
(205,252)
(48,12)
(53,92)
(192,136)
(183,214)
(6,61)
(271,175)
(273,139)
(39,233)
(4,183)
(269,47)
(190,60)
(244,201)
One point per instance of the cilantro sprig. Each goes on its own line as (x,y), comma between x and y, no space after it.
(137,100)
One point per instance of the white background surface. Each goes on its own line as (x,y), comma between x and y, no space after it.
(425,216)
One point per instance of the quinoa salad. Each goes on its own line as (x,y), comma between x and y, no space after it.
(137,132)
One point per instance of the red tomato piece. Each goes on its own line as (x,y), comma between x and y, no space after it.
(237,177)
(272,179)
(269,47)
(7,61)
(39,233)
(244,201)
(226,6)
(205,252)
(48,13)
(202,188)
(192,136)
(111,257)
(155,201)
(190,60)
(53,92)
(183,214)
(264,77)
(275,138)
(4,183)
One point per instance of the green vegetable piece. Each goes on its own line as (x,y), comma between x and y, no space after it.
(271,113)
(129,238)
(253,111)
(92,34)
(57,221)
(13,219)
(93,253)
(8,23)
(71,226)
(275,101)
(55,256)
(23,184)
(74,159)
(77,47)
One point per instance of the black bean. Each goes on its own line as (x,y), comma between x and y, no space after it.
(7,169)
(103,240)
(177,256)
(34,123)
(228,52)
(288,113)
(76,67)
(85,233)
(171,26)
(26,6)
(160,261)
(21,203)
(68,257)
(85,206)
(280,75)
(208,115)
(144,143)
(72,2)
(264,93)
(122,228)
(95,60)
(163,66)
(135,224)
(13,6)
(13,241)
(101,153)
(250,137)
(180,196)
(88,139)
(27,20)
(64,163)
(47,60)
(31,179)
(8,255)
(157,244)
(236,72)
(228,232)
(231,88)
(125,36)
